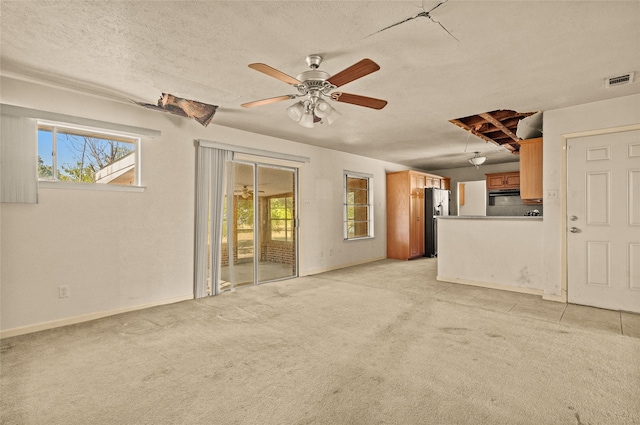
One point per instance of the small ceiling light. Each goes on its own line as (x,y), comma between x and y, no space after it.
(477,160)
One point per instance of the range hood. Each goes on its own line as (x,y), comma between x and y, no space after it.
(504,192)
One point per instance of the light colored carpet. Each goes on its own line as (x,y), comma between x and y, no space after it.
(364,345)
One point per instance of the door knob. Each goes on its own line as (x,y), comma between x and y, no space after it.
(573,218)
(574,230)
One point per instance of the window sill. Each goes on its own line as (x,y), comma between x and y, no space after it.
(364,238)
(44,184)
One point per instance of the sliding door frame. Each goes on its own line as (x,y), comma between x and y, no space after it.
(256,157)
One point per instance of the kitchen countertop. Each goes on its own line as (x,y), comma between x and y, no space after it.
(490,217)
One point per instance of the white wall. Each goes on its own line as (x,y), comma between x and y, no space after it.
(118,250)
(592,116)
(493,252)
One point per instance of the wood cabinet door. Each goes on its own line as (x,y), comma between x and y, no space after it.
(418,183)
(414,183)
(512,180)
(531,170)
(503,181)
(416,232)
(495,181)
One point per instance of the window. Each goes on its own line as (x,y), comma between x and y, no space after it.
(86,155)
(358,214)
(281,218)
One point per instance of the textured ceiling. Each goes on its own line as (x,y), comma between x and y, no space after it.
(521,56)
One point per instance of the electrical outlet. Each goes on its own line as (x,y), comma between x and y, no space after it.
(552,194)
(63,291)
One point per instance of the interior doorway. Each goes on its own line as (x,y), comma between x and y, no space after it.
(472,198)
(259,228)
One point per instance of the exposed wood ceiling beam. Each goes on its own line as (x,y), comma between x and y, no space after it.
(497,127)
(499,124)
(472,130)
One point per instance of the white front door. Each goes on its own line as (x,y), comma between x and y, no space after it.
(603,220)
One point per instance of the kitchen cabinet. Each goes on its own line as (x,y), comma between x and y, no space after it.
(405,212)
(531,171)
(432,181)
(503,180)
(445,183)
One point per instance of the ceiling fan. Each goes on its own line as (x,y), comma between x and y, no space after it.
(245,192)
(314,85)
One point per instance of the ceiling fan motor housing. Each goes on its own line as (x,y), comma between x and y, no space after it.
(314,75)
(315,82)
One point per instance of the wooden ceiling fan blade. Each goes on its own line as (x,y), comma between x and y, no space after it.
(272,72)
(267,101)
(355,71)
(355,99)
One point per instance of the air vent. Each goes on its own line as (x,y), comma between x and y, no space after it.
(619,80)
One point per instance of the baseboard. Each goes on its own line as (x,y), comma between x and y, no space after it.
(556,298)
(341,266)
(8,333)
(491,285)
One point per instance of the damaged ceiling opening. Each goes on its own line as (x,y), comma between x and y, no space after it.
(201,112)
(498,127)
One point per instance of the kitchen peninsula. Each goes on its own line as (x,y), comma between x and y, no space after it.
(494,252)
(500,251)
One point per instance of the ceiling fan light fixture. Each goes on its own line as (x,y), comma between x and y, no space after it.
(296,111)
(334,115)
(477,160)
(306,120)
(323,109)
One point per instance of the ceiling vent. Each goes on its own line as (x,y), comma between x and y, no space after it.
(619,80)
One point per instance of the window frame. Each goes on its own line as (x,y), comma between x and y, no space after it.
(346,205)
(288,205)
(84,130)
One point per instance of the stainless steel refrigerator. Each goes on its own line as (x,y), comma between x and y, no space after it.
(436,203)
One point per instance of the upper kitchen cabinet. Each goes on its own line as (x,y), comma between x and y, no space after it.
(531,170)
(503,180)
(405,212)
(445,183)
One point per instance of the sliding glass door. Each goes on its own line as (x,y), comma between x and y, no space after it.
(259,235)
(277,223)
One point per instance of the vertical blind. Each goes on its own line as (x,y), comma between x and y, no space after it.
(210,192)
(18,159)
